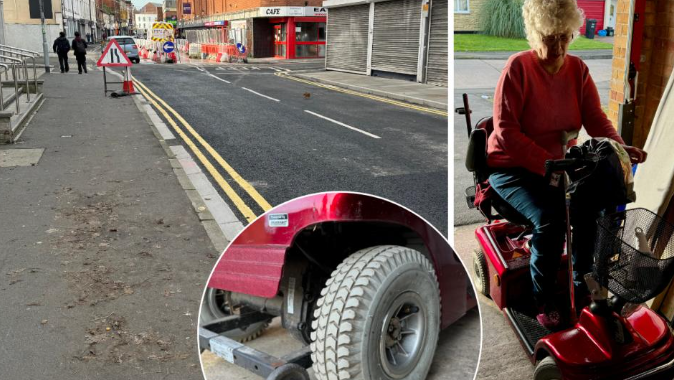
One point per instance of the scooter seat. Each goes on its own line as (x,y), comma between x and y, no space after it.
(505,210)
(476,162)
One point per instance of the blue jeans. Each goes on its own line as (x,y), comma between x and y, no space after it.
(543,205)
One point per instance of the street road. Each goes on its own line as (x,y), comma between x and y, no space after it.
(287,138)
(478,79)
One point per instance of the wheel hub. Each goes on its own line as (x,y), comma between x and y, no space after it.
(403,335)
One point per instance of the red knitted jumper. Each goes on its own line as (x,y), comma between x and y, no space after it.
(532,107)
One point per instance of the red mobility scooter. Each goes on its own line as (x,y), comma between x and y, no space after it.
(615,337)
(365,284)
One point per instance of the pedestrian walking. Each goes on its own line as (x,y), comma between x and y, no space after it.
(80,50)
(61,47)
(88,38)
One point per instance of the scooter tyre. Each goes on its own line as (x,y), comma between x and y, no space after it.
(289,372)
(547,369)
(211,311)
(480,272)
(349,317)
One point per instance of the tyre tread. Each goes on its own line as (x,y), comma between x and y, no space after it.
(336,356)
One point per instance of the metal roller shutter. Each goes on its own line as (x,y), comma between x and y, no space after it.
(438,44)
(347,38)
(395,46)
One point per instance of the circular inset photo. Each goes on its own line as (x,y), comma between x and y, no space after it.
(339,285)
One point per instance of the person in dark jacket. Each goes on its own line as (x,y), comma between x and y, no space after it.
(80,50)
(61,48)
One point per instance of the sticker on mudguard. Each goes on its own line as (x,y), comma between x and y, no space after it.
(291,295)
(224,347)
(277,220)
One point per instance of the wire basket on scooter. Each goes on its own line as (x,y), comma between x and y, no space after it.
(634,254)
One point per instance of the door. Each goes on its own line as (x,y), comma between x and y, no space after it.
(612,13)
(280,40)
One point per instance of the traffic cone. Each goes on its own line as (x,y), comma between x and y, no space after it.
(128,87)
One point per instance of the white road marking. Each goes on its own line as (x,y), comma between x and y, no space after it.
(343,125)
(218,78)
(257,93)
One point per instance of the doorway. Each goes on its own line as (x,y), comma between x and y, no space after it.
(280,40)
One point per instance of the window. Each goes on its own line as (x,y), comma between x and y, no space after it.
(34,9)
(310,39)
(461,6)
(309,31)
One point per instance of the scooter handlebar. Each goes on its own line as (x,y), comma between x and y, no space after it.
(569,164)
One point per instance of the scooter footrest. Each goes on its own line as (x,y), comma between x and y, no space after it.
(528,328)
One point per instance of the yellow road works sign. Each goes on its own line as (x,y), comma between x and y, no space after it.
(162,31)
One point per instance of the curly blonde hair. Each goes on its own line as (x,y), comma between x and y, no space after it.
(547,17)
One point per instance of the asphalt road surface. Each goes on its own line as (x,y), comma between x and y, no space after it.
(287,138)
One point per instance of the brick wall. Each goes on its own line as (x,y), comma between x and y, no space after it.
(468,22)
(657,62)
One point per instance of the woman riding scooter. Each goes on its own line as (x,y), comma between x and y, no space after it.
(541,94)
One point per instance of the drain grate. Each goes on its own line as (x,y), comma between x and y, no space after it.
(20,157)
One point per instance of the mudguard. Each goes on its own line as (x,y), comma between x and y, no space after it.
(253,263)
(587,351)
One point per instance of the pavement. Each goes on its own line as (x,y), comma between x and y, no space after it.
(104,257)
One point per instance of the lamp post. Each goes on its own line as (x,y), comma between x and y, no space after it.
(45,48)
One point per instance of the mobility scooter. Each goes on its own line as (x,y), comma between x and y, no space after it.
(365,284)
(615,337)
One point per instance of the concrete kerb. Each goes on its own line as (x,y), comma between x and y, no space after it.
(217,218)
(370,91)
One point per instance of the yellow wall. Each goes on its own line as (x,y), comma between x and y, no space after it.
(18,12)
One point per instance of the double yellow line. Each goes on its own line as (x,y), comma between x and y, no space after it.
(373,97)
(165,109)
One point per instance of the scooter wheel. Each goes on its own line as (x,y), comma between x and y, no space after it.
(378,317)
(547,369)
(289,372)
(480,272)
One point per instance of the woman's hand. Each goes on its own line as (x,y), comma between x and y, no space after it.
(637,155)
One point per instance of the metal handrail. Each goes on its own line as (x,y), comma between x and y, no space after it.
(2,97)
(19,49)
(26,69)
(16,86)
(15,78)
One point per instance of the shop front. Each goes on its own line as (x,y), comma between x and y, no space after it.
(298,32)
